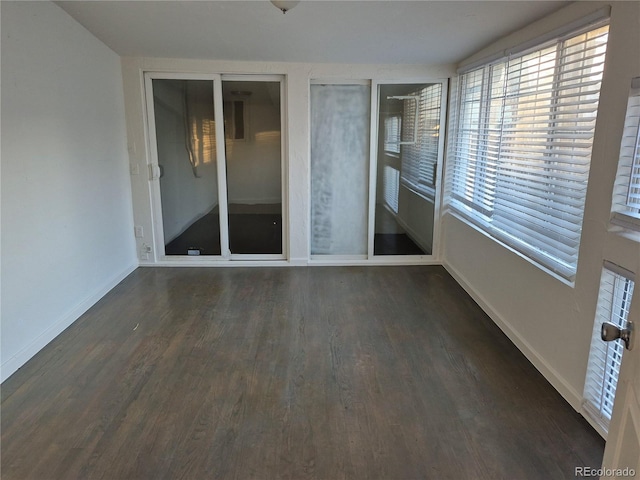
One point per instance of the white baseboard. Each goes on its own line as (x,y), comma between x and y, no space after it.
(11,365)
(553,377)
(298,261)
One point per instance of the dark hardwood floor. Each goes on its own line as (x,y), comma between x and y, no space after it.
(248,233)
(395,244)
(287,373)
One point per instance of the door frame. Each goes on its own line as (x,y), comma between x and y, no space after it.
(373,172)
(221,164)
(281,79)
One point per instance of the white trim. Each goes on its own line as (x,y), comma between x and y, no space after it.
(438,201)
(211,261)
(373,165)
(221,164)
(152,161)
(284,166)
(339,81)
(623,272)
(594,18)
(251,77)
(553,377)
(11,365)
(256,256)
(378,260)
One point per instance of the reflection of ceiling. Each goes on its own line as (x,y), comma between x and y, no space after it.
(377,32)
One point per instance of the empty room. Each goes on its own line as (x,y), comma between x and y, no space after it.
(319,239)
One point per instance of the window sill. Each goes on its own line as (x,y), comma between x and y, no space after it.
(625,226)
(625,233)
(532,261)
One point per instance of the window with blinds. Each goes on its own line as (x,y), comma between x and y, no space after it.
(520,149)
(626,193)
(391,182)
(614,300)
(420,156)
(392,128)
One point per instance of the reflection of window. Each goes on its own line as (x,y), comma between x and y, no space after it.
(614,300)
(234,120)
(390,188)
(392,129)
(626,194)
(521,146)
(420,157)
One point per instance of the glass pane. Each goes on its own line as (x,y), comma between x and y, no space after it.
(408,140)
(254,179)
(186,140)
(339,168)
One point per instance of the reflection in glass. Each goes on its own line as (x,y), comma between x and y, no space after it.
(253,155)
(186,142)
(339,168)
(408,140)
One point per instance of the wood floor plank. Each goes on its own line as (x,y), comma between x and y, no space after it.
(316,373)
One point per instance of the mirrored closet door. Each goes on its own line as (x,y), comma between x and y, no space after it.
(409,152)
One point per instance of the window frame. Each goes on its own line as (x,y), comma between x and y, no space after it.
(623,213)
(478,153)
(615,295)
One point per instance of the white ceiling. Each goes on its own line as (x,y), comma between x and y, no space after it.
(393,32)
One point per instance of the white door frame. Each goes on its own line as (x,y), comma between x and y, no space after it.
(221,163)
(373,170)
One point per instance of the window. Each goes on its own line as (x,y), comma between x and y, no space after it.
(520,146)
(614,300)
(392,128)
(420,145)
(391,187)
(626,194)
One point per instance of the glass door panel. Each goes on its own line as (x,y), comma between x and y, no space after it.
(186,146)
(252,120)
(407,161)
(340,124)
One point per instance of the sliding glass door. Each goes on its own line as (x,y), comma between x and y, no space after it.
(254,176)
(188,167)
(216,174)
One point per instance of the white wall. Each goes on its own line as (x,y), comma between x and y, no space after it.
(67,231)
(549,320)
(295,138)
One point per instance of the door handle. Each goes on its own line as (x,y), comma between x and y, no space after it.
(612,332)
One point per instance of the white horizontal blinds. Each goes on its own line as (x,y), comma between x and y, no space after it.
(392,126)
(614,300)
(419,159)
(626,194)
(550,111)
(471,179)
(522,146)
(391,187)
